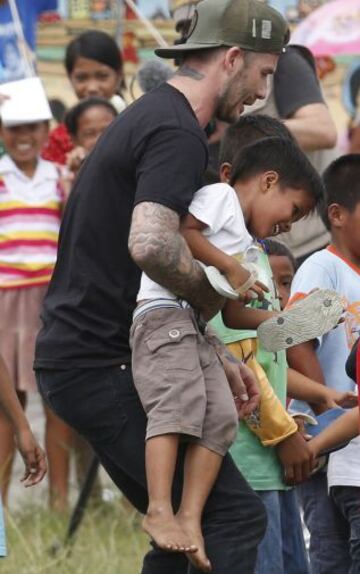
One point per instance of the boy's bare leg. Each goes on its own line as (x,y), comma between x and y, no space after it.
(200,471)
(160,522)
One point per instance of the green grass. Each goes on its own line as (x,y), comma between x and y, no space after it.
(109,541)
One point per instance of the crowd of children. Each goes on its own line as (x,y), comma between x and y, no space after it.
(280,321)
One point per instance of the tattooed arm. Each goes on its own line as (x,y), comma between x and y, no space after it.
(158,248)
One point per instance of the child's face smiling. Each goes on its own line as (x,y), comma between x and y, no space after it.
(24,143)
(277,209)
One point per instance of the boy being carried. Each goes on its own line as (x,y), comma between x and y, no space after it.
(177,374)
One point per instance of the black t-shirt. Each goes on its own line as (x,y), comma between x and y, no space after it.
(154,151)
(295,83)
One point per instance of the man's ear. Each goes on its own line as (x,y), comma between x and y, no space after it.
(224,172)
(337,215)
(234,59)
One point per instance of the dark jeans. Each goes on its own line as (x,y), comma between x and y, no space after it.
(329,530)
(347,500)
(102,405)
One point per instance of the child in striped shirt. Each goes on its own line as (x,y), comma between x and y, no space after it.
(31,204)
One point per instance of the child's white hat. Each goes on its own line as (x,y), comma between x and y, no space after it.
(27,102)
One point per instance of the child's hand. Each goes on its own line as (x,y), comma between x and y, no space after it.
(33,456)
(75,158)
(347,399)
(297,458)
(238,276)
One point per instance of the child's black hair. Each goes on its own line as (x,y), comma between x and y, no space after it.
(94,45)
(247,130)
(74,114)
(282,156)
(273,247)
(342,185)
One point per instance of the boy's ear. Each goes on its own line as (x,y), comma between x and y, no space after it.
(337,215)
(268,180)
(224,172)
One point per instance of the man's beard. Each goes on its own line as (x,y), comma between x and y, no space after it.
(230,101)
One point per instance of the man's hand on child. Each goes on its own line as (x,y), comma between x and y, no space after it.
(243,385)
(297,458)
(33,456)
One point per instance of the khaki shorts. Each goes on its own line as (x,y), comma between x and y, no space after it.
(180,381)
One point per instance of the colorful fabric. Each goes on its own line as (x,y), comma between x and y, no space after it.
(30,213)
(252,450)
(58,146)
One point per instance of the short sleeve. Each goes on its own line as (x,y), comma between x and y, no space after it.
(311,275)
(213,205)
(170,169)
(293,71)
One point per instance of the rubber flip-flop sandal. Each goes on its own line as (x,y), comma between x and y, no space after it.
(307,319)
(222,286)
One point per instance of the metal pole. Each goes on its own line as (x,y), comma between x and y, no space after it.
(119,26)
(30,69)
(155,33)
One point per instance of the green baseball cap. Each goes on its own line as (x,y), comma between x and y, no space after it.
(249,24)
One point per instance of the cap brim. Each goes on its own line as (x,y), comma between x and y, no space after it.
(175,51)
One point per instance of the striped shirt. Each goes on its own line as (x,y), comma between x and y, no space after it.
(30,214)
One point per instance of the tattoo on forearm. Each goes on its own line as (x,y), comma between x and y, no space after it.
(190,73)
(159,249)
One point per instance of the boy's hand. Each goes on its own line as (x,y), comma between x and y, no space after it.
(347,399)
(237,276)
(33,456)
(75,158)
(297,458)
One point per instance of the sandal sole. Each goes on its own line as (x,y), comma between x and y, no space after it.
(306,320)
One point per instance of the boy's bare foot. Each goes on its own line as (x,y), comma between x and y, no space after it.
(166,532)
(193,531)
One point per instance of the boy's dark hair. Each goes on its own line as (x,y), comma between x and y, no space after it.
(247,130)
(285,158)
(273,247)
(342,185)
(74,114)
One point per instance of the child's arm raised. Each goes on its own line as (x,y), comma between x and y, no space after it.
(204,251)
(31,452)
(236,316)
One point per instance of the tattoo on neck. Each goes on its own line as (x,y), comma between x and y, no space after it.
(190,73)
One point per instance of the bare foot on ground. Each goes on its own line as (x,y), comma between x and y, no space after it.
(166,532)
(193,531)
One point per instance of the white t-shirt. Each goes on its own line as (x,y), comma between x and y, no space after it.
(327,269)
(218,207)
